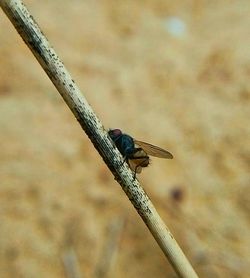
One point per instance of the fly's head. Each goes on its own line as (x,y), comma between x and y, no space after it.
(115,134)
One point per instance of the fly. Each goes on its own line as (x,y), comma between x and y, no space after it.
(136,153)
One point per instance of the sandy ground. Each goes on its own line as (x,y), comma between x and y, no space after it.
(173,74)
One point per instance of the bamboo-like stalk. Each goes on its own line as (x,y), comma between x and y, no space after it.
(56,71)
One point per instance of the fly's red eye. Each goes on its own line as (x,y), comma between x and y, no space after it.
(116,132)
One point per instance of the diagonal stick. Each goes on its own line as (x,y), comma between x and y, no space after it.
(56,71)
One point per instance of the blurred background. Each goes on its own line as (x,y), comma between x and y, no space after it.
(171,73)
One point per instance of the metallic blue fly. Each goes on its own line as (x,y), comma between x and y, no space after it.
(136,153)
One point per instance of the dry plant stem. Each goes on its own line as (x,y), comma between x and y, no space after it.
(71,265)
(110,249)
(48,59)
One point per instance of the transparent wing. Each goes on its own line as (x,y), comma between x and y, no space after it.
(154,150)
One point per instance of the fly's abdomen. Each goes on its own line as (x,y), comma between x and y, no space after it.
(138,160)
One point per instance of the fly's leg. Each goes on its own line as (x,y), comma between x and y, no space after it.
(134,176)
(125,159)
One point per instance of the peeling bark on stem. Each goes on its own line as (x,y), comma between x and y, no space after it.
(52,65)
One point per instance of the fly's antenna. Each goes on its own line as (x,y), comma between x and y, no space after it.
(58,74)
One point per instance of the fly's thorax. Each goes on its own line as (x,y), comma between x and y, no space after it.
(125,144)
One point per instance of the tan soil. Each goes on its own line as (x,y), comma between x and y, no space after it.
(189,94)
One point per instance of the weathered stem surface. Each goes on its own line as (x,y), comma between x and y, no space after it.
(50,62)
